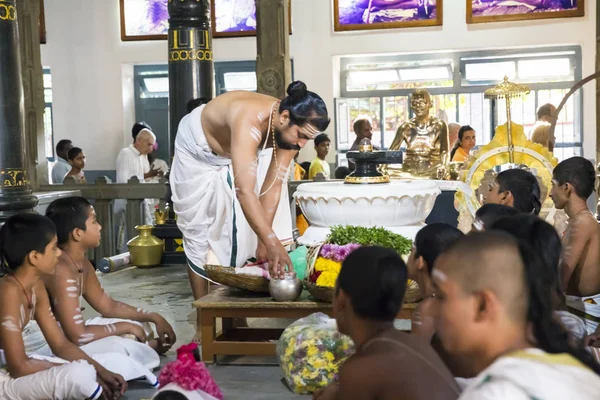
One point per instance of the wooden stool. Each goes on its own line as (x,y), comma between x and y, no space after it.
(231,303)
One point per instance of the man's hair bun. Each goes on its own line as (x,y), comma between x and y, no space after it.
(297,89)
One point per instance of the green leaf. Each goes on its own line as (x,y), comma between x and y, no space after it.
(375,236)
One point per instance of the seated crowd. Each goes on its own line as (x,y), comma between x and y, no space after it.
(510,310)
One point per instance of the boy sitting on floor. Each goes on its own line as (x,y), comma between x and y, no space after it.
(78,231)
(28,250)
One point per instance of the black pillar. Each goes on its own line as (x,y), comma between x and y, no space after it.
(15,189)
(191,67)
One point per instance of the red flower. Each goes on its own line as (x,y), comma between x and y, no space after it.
(186,352)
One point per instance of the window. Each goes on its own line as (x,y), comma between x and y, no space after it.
(48,130)
(381,86)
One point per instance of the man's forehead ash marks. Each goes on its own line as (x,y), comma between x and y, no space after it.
(310,131)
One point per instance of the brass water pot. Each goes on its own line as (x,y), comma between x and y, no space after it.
(146,250)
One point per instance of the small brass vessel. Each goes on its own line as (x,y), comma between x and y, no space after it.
(146,250)
(161,216)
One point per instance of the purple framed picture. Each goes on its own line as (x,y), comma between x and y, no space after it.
(352,15)
(144,20)
(235,18)
(519,10)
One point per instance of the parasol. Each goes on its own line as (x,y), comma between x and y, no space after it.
(507,90)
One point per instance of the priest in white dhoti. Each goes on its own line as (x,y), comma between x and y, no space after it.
(232,159)
(133,161)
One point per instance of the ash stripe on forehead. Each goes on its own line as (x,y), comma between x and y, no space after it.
(310,131)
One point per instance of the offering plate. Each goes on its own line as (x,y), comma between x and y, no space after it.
(400,206)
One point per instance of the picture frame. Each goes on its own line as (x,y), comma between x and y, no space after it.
(350,16)
(219,11)
(144,20)
(42,23)
(479,12)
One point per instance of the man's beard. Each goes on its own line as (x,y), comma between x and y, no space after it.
(285,145)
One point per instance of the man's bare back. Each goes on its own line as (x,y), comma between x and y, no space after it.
(580,261)
(395,365)
(221,115)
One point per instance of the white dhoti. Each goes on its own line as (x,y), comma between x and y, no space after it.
(587,308)
(126,357)
(208,213)
(73,381)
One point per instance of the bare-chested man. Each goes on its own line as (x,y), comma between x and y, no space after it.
(228,190)
(572,183)
(388,364)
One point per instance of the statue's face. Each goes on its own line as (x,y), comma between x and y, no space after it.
(421,104)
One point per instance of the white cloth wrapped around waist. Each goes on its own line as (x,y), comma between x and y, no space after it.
(587,308)
(129,358)
(209,215)
(73,381)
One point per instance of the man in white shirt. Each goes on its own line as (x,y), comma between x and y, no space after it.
(62,166)
(133,161)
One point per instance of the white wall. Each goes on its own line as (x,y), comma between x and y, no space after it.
(90,65)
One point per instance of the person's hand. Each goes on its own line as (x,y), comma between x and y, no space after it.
(261,252)
(113,385)
(154,172)
(166,335)
(592,340)
(137,331)
(279,260)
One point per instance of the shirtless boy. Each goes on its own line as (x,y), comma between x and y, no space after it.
(365,307)
(572,183)
(495,310)
(29,251)
(75,278)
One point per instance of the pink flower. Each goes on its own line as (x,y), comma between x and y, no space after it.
(336,252)
(189,374)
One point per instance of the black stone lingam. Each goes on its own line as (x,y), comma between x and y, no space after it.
(366,161)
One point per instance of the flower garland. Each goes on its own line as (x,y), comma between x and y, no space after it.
(329,263)
(188,373)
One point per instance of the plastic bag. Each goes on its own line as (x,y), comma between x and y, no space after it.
(310,352)
(298,258)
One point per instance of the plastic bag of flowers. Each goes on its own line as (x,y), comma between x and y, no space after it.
(187,376)
(310,352)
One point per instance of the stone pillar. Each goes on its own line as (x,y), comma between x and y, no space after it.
(15,188)
(273,67)
(191,68)
(33,89)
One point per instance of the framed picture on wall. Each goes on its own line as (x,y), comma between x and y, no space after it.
(235,18)
(497,10)
(353,15)
(144,20)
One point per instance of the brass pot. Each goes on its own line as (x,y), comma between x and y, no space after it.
(146,250)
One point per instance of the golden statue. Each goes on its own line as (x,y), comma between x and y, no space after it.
(427,144)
